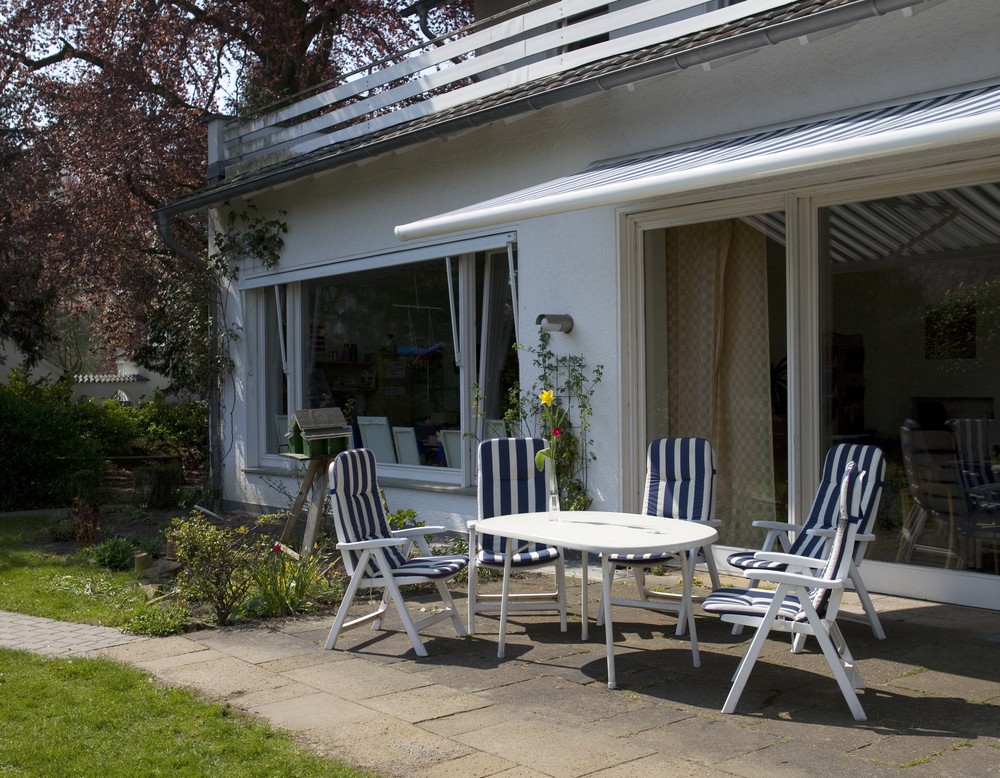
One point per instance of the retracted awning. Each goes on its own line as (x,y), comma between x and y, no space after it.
(912,127)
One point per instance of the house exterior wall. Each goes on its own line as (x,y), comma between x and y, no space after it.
(570,263)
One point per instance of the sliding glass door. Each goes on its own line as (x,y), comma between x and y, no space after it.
(910,327)
(715,356)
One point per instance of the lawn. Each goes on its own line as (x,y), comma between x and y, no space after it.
(94,717)
(39,578)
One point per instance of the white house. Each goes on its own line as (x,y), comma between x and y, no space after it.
(776,223)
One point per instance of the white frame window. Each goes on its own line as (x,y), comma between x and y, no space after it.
(458,259)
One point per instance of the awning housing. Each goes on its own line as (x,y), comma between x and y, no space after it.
(926,124)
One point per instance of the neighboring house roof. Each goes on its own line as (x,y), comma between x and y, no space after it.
(110,378)
(791,21)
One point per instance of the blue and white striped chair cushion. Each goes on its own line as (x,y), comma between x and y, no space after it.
(359,513)
(431,566)
(749,602)
(535,556)
(680,484)
(755,602)
(974,442)
(825,508)
(510,483)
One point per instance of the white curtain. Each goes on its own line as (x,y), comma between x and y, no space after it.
(719,362)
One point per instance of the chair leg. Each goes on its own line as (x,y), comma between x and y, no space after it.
(837,664)
(713,568)
(473,589)
(449,604)
(404,616)
(866,602)
(392,589)
(345,603)
(750,658)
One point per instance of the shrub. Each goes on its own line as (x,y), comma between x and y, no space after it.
(285,585)
(216,564)
(114,554)
(86,522)
(156,621)
(45,444)
(157,486)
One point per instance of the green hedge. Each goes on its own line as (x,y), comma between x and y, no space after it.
(53,446)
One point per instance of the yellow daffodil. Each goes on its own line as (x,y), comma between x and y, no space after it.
(546,397)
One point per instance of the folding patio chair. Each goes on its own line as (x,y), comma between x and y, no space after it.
(680,484)
(823,516)
(802,603)
(510,483)
(375,556)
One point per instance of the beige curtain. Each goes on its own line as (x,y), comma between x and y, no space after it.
(719,363)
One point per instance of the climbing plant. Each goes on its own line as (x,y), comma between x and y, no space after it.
(572,385)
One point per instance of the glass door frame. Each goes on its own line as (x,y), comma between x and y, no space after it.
(803,277)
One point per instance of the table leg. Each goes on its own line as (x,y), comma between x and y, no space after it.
(688,605)
(504,595)
(607,573)
(585,624)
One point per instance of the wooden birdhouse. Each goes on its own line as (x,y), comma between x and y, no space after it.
(318,432)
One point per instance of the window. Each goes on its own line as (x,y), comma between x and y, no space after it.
(910,321)
(400,349)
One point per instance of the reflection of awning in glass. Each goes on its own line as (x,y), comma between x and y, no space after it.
(960,222)
(912,127)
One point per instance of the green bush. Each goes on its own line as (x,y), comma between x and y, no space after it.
(55,449)
(216,564)
(46,444)
(157,621)
(174,427)
(114,554)
(157,486)
(284,585)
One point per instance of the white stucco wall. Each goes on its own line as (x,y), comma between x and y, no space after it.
(569,263)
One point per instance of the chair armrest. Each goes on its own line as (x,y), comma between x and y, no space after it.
(360,545)
(798,579)
(793,560)
(780,526)
(416,532)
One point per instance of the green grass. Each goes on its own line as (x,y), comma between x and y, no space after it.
(64,587)
(93,717)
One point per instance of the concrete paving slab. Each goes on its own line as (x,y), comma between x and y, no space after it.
(258,645)
(390,747)
(312,710)
(426,702)
(554,748)
(468,766)
(221,678)
(659,765)
(931,696)
(356,679)
(150,650)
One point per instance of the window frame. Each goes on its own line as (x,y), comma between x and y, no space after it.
(460,255)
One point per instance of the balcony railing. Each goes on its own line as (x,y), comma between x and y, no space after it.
(473,63)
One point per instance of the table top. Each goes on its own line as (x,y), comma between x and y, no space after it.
(601,531)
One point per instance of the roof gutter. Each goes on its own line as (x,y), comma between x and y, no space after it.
(709,52)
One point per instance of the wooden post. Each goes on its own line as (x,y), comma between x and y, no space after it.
(315,465)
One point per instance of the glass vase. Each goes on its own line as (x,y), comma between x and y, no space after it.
(553,493)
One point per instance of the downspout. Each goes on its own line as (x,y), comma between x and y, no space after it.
(214,391)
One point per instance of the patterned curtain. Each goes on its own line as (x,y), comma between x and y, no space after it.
(719,363)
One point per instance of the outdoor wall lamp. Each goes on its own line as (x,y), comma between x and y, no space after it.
(555,322)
